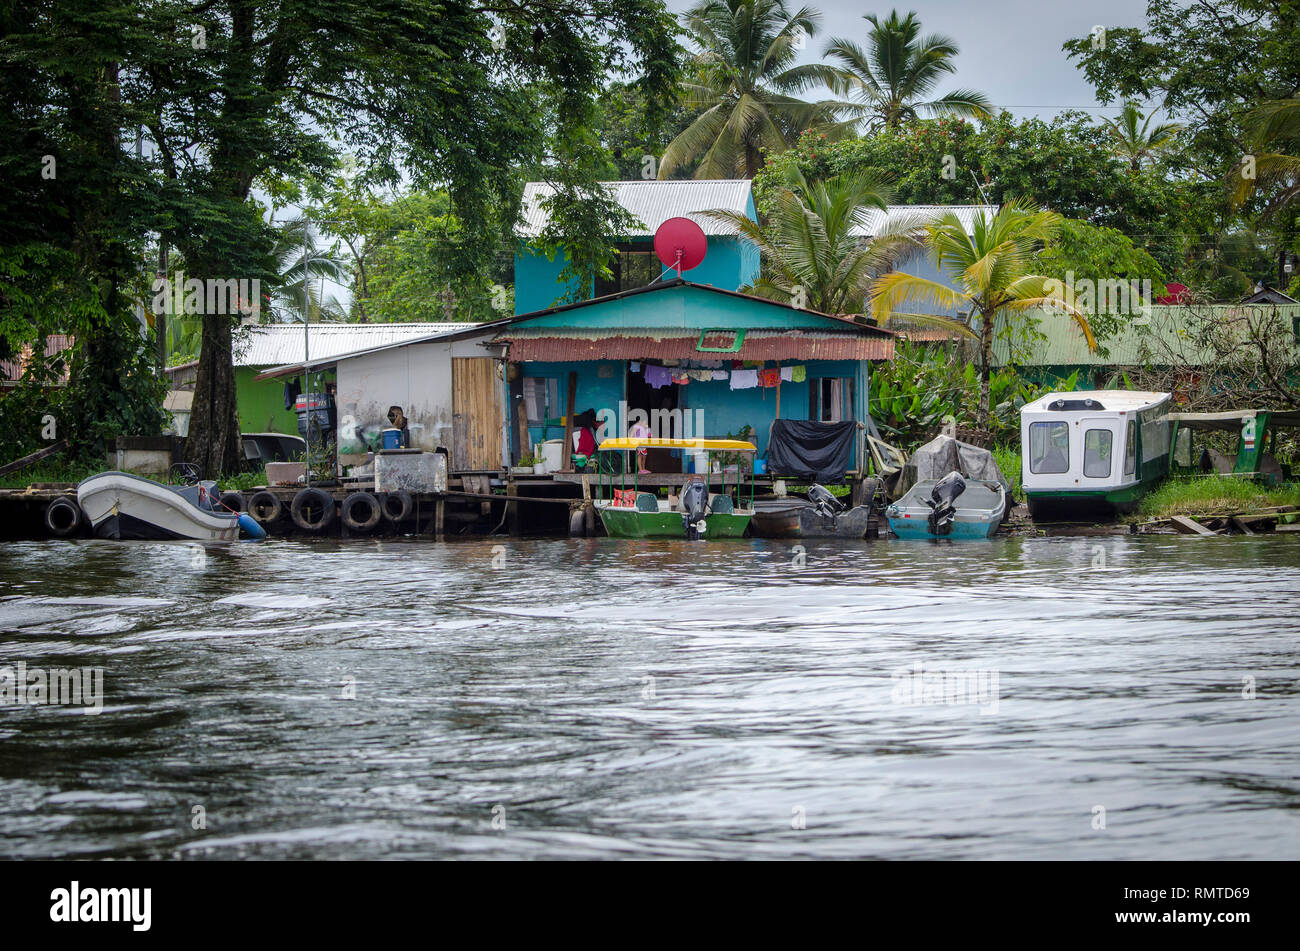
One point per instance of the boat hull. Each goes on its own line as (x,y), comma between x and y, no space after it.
(777,521)
(979,512)
(119,505)
(631,523)
(851,524)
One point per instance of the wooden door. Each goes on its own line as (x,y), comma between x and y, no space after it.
(476,414)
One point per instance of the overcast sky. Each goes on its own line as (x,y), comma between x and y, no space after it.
(1009,49)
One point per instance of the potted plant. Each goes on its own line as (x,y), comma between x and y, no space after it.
(525,466)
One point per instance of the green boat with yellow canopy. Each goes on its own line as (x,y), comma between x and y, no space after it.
(630,507)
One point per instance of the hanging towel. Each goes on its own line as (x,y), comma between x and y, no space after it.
(799,374)
(737,364)
(720,374)
(634,366)
(657,376)
(671,363)
(681,379)
(770,377)
(753,364)
(702,376)
(787,374)
(744,379)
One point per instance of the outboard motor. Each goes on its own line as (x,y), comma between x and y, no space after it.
(827,505)
(695,505)
(942,497)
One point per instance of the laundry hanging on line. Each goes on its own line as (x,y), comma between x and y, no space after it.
(744,379)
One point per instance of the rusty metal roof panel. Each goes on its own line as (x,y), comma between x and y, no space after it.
(561,346)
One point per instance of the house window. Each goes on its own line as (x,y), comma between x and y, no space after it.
(1049,447)
(634,266)
(541,398)
(1130,448)
(830,399)
(1096,453)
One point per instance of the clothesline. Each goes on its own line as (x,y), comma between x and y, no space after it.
(742,374)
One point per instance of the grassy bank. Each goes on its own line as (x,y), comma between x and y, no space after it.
(1210,495)
(1008,460)
(51,470)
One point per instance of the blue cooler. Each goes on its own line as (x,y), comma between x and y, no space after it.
(393,439)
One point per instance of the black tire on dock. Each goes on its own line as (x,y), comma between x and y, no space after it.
(312,510)
(233,501)
(63,518)
(265,507)
(361,513)
(397,506)
(577,524)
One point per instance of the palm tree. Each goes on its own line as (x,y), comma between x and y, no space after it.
(890,79)
(1274,167)
(812,246)
(990,271)
(298,258)
(1137,144)
(744,82)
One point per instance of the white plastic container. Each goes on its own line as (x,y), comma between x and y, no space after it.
(552,456)
(700,462)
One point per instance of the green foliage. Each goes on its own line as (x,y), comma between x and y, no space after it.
(812,254)
(928,386)
(744,84)
(1007,457)
(1065,165)
(888,80)
(1208,496)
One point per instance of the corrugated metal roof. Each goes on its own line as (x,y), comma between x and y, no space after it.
(653,202)
(12,369)
(554,345)
(966,214)
(1163,339)
(269,345)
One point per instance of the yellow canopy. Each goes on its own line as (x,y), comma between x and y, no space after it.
(648,442)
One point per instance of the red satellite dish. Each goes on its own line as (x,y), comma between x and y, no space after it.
(1174,294)
(680,244)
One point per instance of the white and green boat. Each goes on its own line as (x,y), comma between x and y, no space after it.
(1104,447)
(630,507)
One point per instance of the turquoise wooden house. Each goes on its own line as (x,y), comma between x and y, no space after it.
(687,359)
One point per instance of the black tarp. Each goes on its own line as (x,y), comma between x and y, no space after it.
(818,452)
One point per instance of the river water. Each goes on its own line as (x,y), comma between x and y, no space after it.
(1119,697)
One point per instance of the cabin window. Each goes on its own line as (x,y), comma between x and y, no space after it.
(831,399)
(1130,448)
(541,398)
(634,266)
(1096,453)
(1049,447)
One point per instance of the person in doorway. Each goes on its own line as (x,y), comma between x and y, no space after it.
(584,436)
(640,430)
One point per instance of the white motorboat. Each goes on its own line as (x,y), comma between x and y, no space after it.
(121,505)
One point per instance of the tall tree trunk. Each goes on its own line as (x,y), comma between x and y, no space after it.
(213,443)
(986,367)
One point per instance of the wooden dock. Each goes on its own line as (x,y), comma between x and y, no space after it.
(474,503)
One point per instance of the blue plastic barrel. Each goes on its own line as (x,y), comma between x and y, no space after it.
(392,438)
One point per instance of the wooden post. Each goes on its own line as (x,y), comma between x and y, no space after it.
(439,517)
(512,510)
(566,451)
(588,509)
(778,389)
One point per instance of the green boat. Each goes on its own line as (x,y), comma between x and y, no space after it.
(691,513)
